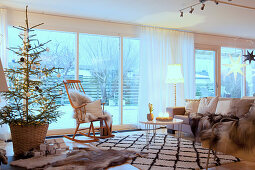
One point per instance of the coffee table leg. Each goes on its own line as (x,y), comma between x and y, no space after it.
(179,130)
(154,132)
(147,141)
(149,126)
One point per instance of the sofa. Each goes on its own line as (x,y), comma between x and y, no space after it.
(237,106)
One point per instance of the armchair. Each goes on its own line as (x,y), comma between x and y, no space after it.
(178,113)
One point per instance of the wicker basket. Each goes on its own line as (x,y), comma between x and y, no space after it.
(27,137)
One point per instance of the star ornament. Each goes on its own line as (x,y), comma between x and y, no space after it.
(249,57)
(235,66)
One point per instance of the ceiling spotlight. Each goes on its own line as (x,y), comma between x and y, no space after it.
(202,1)
(203,7)
(191,10)
(181,14)
(216,2)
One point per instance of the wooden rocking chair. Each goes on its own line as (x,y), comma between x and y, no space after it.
(105,129)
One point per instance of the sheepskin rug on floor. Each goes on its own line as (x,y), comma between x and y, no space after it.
(166,153)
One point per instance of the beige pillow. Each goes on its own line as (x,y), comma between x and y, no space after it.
(207,105)
(243,106)
(224,107)
(191,106)
(94,108)
(252,109)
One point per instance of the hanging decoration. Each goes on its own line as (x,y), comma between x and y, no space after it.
(33,67)
(58,75)
(249,57)
(235,66)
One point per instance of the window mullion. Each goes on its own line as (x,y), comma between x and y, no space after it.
(244,78)
(77,57)
(121,81)
(218,71)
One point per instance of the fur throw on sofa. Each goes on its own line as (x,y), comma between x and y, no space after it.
(227,134)
(200,122)
(78,98)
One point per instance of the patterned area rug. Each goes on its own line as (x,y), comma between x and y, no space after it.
(166,153)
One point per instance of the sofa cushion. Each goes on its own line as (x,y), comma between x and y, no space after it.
(182,117)
(252,109)
(227,106)
(223,107)
(191,106)
(243,106)
(234,106)
(208,105)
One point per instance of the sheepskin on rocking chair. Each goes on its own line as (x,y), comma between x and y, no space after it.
(86,111)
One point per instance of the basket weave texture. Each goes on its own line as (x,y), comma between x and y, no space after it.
(27,137)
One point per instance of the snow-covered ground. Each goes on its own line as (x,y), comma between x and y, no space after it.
(67,121)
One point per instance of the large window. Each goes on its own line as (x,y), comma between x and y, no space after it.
(250,77)
(99,58)
(99,71)
(232,69)
(130,80)
(61,54)
(102,70)
(205,73)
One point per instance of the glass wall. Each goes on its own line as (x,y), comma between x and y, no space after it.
(61,54)
(131,55)
(250,76)
(99,70)
(205,73)
(232,69)
(99,58)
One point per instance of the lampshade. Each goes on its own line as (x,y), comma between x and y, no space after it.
(174,74)
(3,84)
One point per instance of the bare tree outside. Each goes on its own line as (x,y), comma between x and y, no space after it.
(100,56)
(60,55)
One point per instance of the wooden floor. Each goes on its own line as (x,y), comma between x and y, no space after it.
(243,165)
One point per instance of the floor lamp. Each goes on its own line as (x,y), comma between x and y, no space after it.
(174,76)
(3,84)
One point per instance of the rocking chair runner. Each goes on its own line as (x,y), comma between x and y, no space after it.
(81,110)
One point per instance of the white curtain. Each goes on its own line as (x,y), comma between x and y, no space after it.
(160,47)
(4,129)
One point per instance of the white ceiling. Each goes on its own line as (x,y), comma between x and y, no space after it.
(215,19)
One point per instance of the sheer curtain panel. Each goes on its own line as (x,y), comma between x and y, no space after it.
(160,47)
(4,129)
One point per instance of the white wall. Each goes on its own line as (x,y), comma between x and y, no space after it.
(70,24)
(217,40)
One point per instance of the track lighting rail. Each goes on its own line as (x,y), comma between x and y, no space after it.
(202,3)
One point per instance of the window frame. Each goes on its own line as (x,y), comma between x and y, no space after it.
(217,50)
(77,40)
(217,68)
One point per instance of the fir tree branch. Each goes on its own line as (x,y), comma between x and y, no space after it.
(36,25)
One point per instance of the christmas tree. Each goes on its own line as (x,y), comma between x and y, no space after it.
(29,99)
